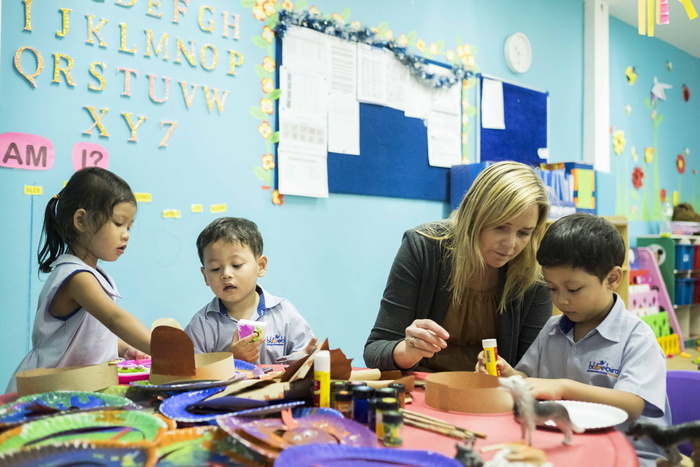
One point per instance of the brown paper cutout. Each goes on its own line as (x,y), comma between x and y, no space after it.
(172,352)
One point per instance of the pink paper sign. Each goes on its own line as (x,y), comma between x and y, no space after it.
(26,151)
(90,155)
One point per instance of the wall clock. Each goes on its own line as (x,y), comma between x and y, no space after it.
(518,53)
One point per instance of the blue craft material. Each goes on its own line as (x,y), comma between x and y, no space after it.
(360,403)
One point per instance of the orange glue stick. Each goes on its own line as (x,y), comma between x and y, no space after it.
(490,355)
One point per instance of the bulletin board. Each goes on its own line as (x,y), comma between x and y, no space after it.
(393,160)
(525,112)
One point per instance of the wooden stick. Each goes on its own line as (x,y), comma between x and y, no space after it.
(447,428)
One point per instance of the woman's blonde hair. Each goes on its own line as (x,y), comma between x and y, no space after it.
(499,194)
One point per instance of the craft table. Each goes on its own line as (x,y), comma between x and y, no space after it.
(601,448)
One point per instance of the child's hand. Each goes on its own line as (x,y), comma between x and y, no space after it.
(310,346)
(135,354)
(245,349)
(546,389)
(503,367)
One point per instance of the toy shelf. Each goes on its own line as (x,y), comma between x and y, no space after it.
(656,299)
(679,262)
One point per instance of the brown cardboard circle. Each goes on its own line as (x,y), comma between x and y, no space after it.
(209,366)
(466,391)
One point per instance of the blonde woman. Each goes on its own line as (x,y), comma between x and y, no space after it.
(470,277)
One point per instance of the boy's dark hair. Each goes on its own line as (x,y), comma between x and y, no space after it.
(582,241)
(233,229)
(94,189)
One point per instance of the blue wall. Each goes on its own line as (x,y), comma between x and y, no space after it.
(330,257)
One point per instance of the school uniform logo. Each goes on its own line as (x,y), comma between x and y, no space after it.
(275,340)
(602,367)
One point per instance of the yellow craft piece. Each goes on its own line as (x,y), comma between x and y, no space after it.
(689,8)
(685,355)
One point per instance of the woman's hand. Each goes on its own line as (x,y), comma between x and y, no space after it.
(503,367)
(424,338)
(245,349)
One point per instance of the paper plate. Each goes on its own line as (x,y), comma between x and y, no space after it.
(133,370)
(270,409)
(243,370)
(591,416)
(336,455)
(78,454)
(317,429)
(203,446)
(130,427)
(38,406)
(176,407)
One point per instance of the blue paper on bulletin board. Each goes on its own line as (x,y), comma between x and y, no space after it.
(393,159)
(525,114)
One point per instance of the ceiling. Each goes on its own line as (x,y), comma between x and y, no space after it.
(680,32)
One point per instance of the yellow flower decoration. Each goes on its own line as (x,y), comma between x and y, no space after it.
(287,5)
(402,40)
(635,155)
(450,55)
(265,129)
(648,155)
(269,64)
(420,45)
(374,30)
(653,115)
(337,17)
(268,85)
(259,12)
(269,7)
(619,142)
(388,35)
(266,106)
(277,198)
(268,161)
(676,198)
(433,48)
(268,34)
(356,25)
(314,11)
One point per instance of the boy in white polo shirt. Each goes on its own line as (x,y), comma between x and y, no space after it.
(596,350)
(231,252)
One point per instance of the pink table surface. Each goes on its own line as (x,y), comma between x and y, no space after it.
(599,448)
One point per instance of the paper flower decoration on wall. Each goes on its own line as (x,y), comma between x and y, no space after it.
(637,177)
(658,90)
(648,155)
(631,75)
(662,195)
(619,142)
(277,198)
(686,93)
(680,164)
(628,109)
(635,155)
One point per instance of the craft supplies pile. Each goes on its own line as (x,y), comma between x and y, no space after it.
(203,409)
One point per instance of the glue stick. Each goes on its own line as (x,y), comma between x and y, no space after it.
(490,355)
(322,379)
